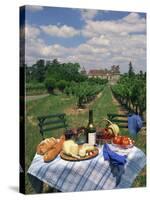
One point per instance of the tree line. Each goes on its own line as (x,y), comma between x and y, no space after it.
(55,74)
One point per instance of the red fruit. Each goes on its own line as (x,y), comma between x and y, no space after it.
(123,138)
(109,136)
(125,141)
(106,130)
(117,140)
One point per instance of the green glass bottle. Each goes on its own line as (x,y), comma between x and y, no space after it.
(91,130)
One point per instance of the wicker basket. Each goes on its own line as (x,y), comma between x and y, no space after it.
(99,134)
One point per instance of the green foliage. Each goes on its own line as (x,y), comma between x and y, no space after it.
(41,70)
(131,91)
(67,78)
(38,71)
(35,86)
(64,76)
(84,91)
(62,84)
(64,71)
(97,81)
(50,84)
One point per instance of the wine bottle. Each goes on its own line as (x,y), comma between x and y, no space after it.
(91,130)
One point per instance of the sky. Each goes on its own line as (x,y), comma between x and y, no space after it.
(96,39)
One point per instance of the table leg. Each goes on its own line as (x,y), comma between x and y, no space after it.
(36,183)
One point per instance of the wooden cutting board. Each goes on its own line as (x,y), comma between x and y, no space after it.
(70,158)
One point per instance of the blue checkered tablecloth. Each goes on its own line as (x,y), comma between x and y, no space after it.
(93,174)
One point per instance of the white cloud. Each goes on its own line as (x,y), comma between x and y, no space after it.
(102,40)
(88,14)
(60,31)
(119,51)
(31,31)
(34,8)
(132,18)
(130,24)
(108,43)
(36,48)
(90,50)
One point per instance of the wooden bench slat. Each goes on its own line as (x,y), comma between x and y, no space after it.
(54,127)
(49,122)
(119,121)
(51,116)
(116,115)
(115,118)
(123,126)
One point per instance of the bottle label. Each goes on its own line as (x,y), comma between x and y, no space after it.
(92,138)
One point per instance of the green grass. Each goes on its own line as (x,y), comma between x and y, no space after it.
(61,103)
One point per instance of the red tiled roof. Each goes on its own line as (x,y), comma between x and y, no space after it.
(95,72)
(102,72)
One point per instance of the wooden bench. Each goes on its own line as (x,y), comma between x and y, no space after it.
(120,119)
(52,122)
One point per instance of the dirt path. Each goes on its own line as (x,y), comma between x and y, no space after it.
(35,97)
(121,110)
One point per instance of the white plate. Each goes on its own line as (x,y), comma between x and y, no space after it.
(122,146)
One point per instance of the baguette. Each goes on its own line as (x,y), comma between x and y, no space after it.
(53,153)
(46,145)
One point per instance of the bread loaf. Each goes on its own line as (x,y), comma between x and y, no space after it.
(46,145)
(53,153)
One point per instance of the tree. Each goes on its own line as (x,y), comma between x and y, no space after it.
(65,71)
(39,70)
(131,71)
(55,62)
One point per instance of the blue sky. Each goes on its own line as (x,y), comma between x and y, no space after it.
(94,38)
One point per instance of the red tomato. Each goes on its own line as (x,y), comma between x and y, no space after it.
(122,139)
(125,141)
(117,140)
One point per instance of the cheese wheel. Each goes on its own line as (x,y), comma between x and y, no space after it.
(74,149)
(66,146)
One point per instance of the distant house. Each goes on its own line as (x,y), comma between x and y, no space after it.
(112,75)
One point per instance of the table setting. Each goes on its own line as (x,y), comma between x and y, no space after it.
(72,165)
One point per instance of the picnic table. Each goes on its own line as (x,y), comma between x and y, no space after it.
(87,175)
